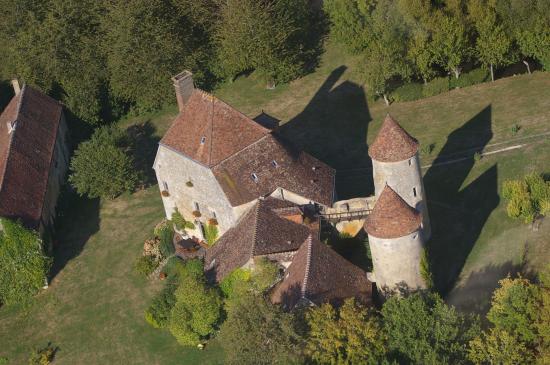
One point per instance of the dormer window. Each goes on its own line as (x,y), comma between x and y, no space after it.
(314,168)
(203,140)
(254,177)
(274,163)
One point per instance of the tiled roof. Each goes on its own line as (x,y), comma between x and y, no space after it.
(209,130)
(393,143)
(392,217)
(261,231)
(318,274)
(270,163)
(26,154)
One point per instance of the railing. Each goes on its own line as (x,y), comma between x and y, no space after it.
(344,216)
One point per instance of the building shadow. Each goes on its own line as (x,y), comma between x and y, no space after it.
(333,128)
(6,94)
(144,145)
(458,213)
(77,220)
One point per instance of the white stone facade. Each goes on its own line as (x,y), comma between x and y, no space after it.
(405,178)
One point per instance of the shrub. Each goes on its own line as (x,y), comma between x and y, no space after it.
(210,233)
(189,184)
(101,167)
(165,193)
(180,222)
(427,149)
(158,312)
(23,264)
(43,356)
(160,227)
(166,236)
(527,197)
(145,265)
(436,86)
(425,271)
(236,277)
(515,128)
(477,156)
(473,77)
(408,92)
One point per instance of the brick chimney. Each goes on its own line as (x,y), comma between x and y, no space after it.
(16,86)
(183,83)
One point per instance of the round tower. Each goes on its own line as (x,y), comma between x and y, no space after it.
(396,243)
(395,162)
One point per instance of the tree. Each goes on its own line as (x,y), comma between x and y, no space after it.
(197,309)
(492,44)
(269,36)
(451,45)
(422,329)
(385,58)
(146,42)
(102,166)
(348,22)
(498,347)
(527,197)
(349,335)
(23,263)
(257,332)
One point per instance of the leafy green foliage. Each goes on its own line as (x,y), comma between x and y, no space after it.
(474,77)
(145,265)
(166,234)
(23,264)
(527,197)
(210,233)
(349,335)
(197,309)
(158,312)
(43,356)
(422,329)
(408,92)
(235,278)
(102,166)
(180,222)
(436,86)
(425,271)
(257,332)
(498,347)
(270,37)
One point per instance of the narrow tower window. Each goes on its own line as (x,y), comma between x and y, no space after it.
(203,139)
(165,185)
(410,162)
(274,163)
(414,192)
(254,177)
(197,207)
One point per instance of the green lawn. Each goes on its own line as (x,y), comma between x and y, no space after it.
(93,309)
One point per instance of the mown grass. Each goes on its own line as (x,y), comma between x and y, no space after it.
(94,308)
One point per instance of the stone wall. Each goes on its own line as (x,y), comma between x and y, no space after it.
(405,178)
(174,171)
(396,261)
(56,177)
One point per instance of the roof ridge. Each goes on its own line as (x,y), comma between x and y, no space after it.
(308,264)
(255,234)
(211,134)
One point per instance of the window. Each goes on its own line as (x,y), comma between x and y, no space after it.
(410,162)
(274,163)
(414,192)
(254,177)
(165,185)
(203,139)
(213,214)
(196,206)
(414,237)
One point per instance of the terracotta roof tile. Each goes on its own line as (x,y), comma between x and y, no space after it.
(26,156)
(276,164)
(209,130)
(393,143)
(392,217)
(261,231)
(318,274)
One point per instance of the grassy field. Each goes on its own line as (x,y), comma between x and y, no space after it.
(93,309)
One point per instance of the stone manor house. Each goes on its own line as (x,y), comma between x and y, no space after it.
(214,164)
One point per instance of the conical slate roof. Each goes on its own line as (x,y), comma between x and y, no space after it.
(393,143)
(392,217)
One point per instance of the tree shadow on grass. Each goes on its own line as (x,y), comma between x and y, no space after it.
(333,128)
(458,214)
(144,145)
(77,220)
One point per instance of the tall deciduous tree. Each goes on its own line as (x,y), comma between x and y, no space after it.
(349,20)
(349,335)
(269,36)
(451,45)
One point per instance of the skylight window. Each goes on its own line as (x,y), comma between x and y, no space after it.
(203,139)
(274,163)
(254,177)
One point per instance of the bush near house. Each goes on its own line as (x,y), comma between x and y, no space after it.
(210,233)
(158,312)
(527,197)
(145,265)
(23,263)
(180,222)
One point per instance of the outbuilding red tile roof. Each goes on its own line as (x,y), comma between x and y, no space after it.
(319,275)
(208,130)
(26,154)
(393,143)
(261,231)
(392,217)
(270,163)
